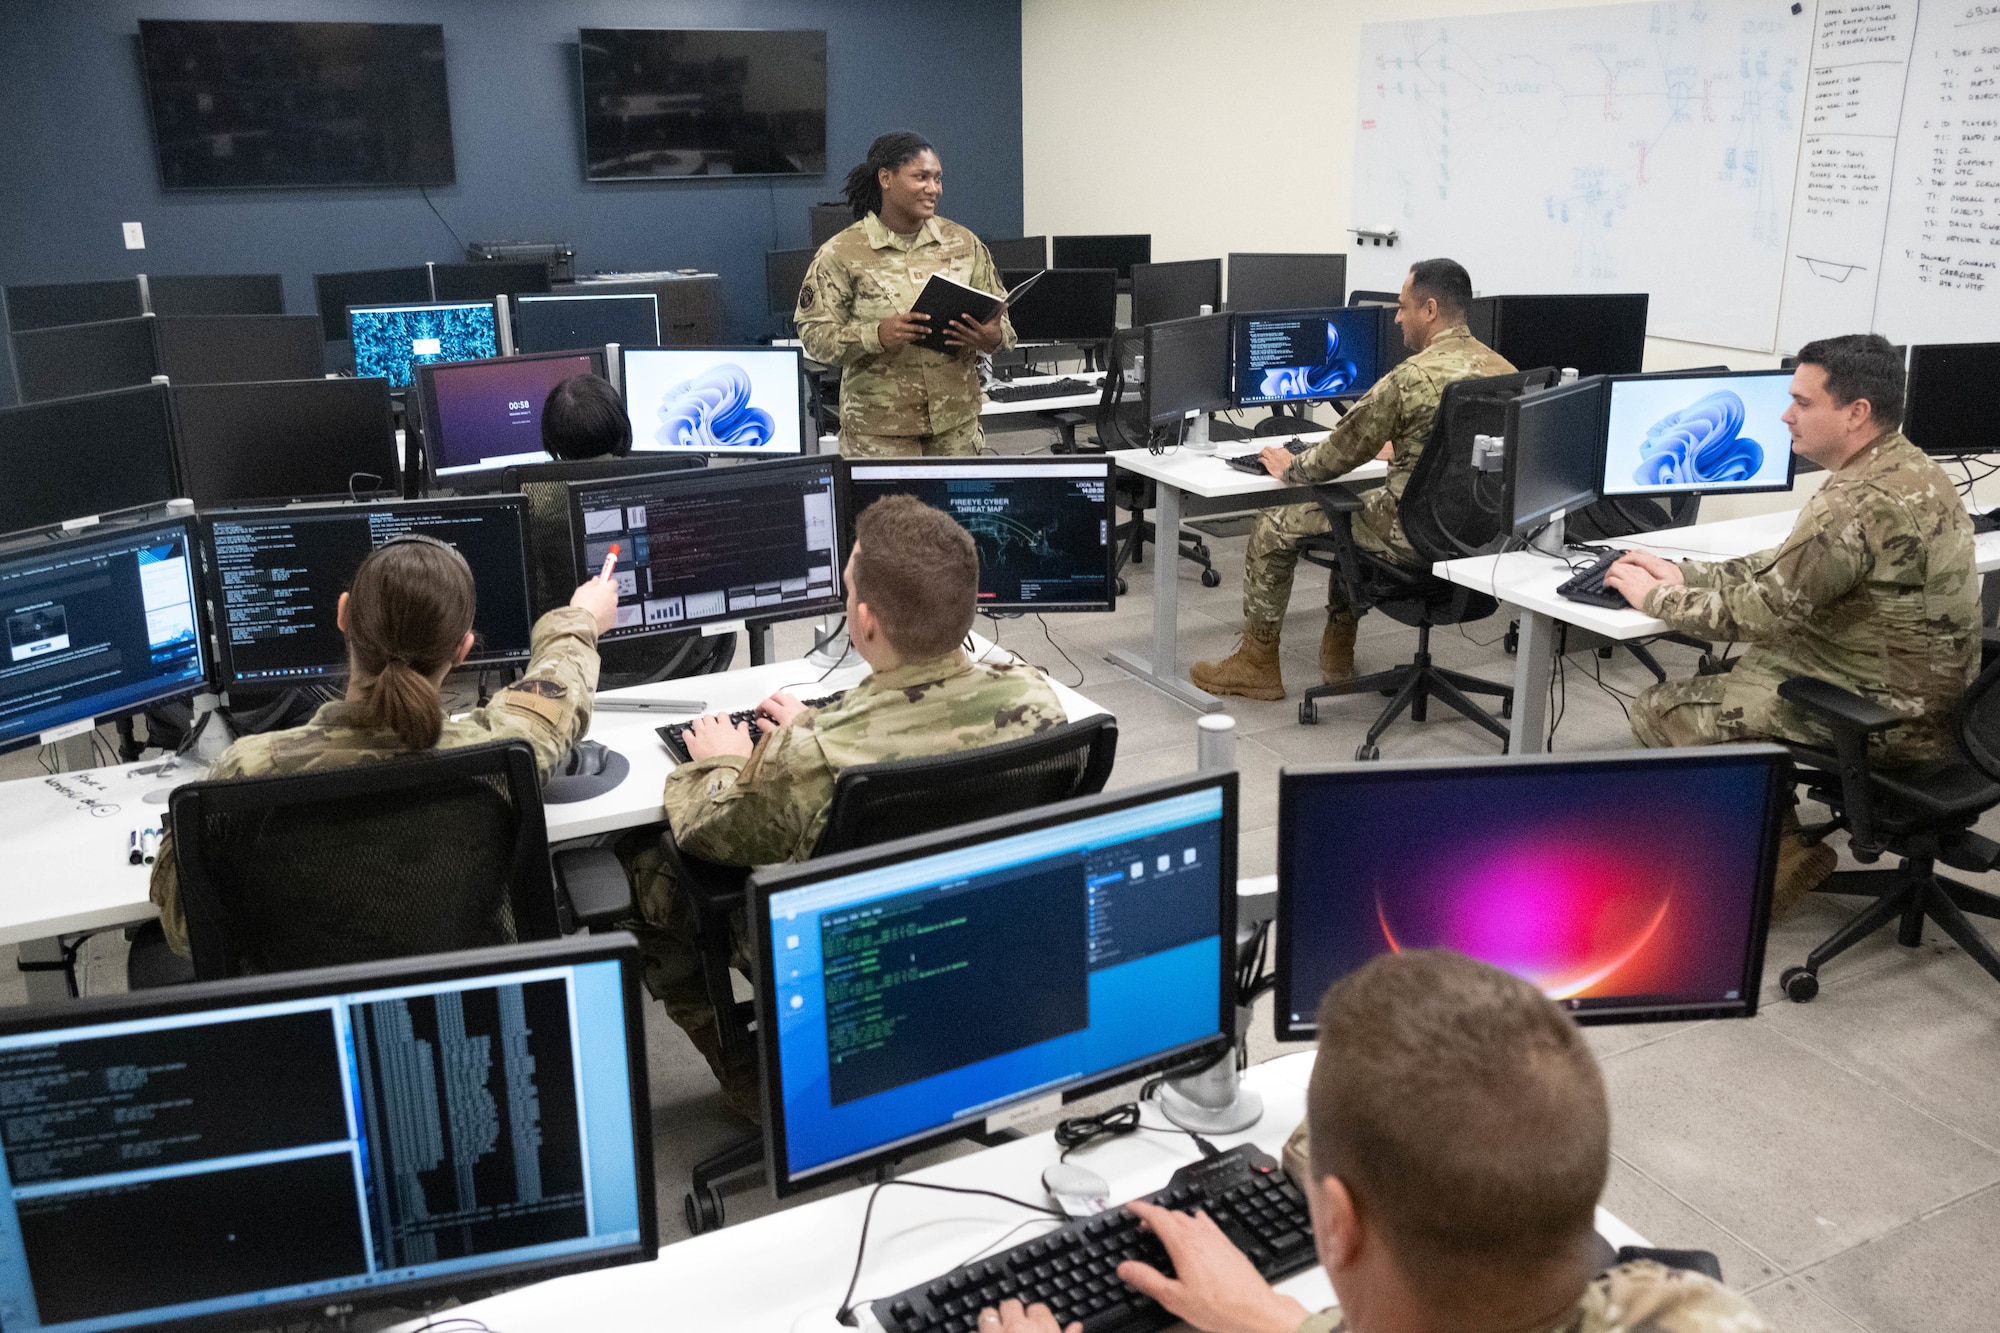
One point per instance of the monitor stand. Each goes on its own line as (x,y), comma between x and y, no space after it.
(1197,439)
(1551,539)
(831,646)
(1214,1100)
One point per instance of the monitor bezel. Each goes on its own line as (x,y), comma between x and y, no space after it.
(311,983)
(1911,383)
(764,883)
(807,442)
(715,478)
(492,308)
(850,513)
(1239,321)
(1510,456)
(424,382)
(1775,759)
(539,298)
(31,541)
(477,660)
(1604,440)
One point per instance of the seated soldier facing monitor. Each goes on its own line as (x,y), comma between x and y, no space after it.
(912,583)
(1873,591)
(583,417)
(1457,1139)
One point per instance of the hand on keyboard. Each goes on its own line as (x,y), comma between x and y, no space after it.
(1214,1284)
(748,723)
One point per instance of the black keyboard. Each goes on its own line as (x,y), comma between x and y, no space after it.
(1022,393)
(676,743)
(1254,463)
(1074,1270)
(1587,585)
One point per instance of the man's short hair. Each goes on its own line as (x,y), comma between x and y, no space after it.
(1444,281)
(1861,365)
(583,417)
(918,570)
(1463,1112)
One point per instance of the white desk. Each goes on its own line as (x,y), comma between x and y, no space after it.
(1190,484)
(767,1275)
(1528,580)
(1067,403)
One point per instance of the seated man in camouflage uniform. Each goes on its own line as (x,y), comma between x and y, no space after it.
(1396,414)
(1873,591)
(1457,1139)
(912,582)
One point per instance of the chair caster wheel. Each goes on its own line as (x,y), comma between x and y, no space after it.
(702,1209)
(1799,984)
(1364,753)
(1308,715)
(1121,586)
(1507,708)
(1210,579)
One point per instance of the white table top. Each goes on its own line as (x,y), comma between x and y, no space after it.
(1207,476)
(777,1273)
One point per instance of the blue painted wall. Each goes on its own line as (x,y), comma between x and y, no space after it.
(76,156)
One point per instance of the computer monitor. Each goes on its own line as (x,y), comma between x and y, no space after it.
(560,323)
(335,292)
(1554,444)
(715,400)
(215,293)
(1511,861)
(1028,252)
(239,349)
(1175,291)
(1187,368)
(1303,356)
(389,340)
(1287,281)
(1067,305)
(75,457)
(69,359)
(1948,404)
(1700,433)
(1119,252)
(756,542)
(97,624)
(784,275)
(1591,333)
(487,414)
(284,440)
(1042,525)
(910,990)
(278,575)
(1360,296)
(44,305)
(827,220)
(262,1150)
(487,279)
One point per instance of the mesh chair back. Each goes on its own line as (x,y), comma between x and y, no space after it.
(1979,721)
(1449,509)
(904,797)
(424,854)
(1121,403)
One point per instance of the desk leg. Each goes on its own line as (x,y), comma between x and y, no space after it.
(1532,662)
(46,984)
(1163,670)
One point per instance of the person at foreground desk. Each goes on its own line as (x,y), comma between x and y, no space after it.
(1457,1139)
(408,622)
(1873,591)
(1396,413)
(912,585)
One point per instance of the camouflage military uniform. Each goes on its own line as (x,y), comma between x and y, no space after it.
(906,400)
(1399,411)
(771,806)
(549,708)
(1873,591)
(1639,1297)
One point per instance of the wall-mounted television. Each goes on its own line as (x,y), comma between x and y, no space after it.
(671,102)
(250,105)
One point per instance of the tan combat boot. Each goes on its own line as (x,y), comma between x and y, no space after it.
(1336,648)
(1251,672)
(1801,869)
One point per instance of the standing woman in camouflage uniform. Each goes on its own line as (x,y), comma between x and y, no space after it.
(898,400)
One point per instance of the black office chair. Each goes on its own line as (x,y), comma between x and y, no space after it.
(425,854)
(1922,814)
(1121,425)
(1448,510)
(871,803)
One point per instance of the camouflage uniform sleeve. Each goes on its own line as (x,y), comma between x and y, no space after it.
(1359,436)
(165,886)
(753,811)
(1753,598)
(1646,1297)
(987,280)
(832,336)
(1326,1321)
(549,707)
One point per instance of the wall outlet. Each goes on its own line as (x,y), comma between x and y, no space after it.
(135,236)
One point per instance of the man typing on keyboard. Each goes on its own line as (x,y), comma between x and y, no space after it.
(1457,1139)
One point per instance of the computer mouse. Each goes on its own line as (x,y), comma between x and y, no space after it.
(586,759)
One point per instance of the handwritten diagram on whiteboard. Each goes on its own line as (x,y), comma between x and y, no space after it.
(1648,148)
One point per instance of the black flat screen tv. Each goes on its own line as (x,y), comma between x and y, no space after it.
(667,102)
(248,105)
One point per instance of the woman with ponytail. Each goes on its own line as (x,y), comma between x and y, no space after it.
(899,399)
(407,618)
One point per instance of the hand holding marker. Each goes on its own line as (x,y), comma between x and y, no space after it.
(610,563)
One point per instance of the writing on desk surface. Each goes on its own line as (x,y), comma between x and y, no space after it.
(78,787)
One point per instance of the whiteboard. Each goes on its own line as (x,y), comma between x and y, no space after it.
(1622,148)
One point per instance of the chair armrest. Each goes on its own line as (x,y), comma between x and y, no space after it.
(1852,719)
(1843,710)
(1695,1261)
(592,892)
(1337,499)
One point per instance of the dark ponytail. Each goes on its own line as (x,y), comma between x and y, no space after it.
(409,609)
(892,150)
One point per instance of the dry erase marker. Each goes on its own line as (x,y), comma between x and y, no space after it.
(149,844)
(610,562)
(135,856)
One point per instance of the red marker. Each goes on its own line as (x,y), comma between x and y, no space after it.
(610,561)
